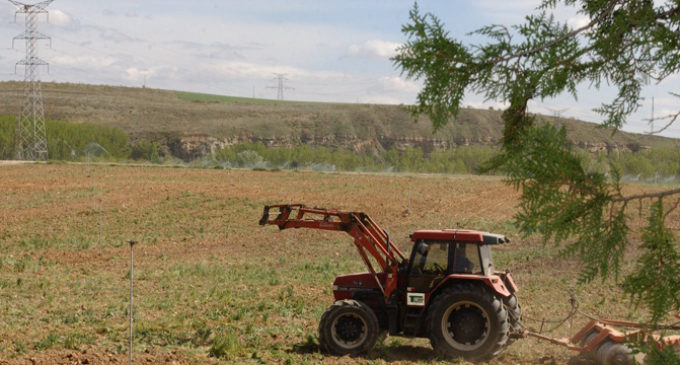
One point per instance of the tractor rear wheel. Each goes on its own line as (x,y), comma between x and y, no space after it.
(467,321)
(514,318)
(348,327)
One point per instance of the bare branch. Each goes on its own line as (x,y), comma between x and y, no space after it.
(677,202)
(673,117)
(660,194)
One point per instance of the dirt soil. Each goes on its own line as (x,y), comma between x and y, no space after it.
(13,162)
(95,357)
(210,281)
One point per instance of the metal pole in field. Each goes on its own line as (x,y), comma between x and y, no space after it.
(132,264)
(100,228)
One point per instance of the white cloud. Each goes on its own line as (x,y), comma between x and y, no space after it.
(252,70)
(135,74)
(7,12)
(578,21)
(60,18)
(83,61)
(504,11)
(113,35)
(395,83)
(504,5)
(374,48)
(665,112)
(668,101)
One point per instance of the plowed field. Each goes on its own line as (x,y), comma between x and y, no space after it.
(210,281)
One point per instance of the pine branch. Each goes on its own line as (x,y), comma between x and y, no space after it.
(556,41)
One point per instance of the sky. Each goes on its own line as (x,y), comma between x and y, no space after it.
(330,50)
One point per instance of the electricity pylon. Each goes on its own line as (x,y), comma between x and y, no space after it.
(279,92)
(31,137)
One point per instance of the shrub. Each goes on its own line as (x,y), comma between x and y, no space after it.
(69,141)
(144,149)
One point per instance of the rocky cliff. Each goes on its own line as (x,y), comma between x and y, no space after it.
(195,146)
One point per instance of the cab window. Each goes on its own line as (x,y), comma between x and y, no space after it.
(431,258)
(487,262)
(466,259)
(437,259)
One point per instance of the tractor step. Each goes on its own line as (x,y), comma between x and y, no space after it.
(413,321)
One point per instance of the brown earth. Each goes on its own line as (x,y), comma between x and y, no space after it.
(205,271)
(12,162)
(94,357)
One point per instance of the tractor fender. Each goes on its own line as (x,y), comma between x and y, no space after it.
(494,282)
(509,282)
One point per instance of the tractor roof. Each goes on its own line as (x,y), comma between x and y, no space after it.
(459,235)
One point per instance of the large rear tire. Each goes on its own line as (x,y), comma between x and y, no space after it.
(348,327)
(467,321)
(514,318)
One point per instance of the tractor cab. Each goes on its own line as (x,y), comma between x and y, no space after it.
(438,254)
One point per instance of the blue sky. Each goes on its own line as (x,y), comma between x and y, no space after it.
(329,50)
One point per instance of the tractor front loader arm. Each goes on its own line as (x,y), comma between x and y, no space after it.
(293,216)
(369,237)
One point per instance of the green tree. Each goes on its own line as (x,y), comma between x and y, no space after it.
(624,44)
(144,149)
(7,129)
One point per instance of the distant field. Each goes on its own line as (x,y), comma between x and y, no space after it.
(208,277)
(212,98)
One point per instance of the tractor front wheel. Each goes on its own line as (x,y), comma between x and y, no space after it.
(467,321)
(348,327)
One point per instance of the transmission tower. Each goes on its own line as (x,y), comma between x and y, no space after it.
(31,137)
(557,115)
(651,119)
(280,87)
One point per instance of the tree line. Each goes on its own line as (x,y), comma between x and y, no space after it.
(85,141)
(647,164)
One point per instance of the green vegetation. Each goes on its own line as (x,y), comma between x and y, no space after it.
(581,209)
(146,150)
(644,165)
(461,160)
(69,141)
(8,126)
(649,163)
(82,142)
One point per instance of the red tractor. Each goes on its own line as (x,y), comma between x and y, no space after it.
(447,290)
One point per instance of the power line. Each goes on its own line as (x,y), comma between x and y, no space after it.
(280,87)
(31,135)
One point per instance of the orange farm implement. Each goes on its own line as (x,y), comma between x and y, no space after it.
(606,342)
